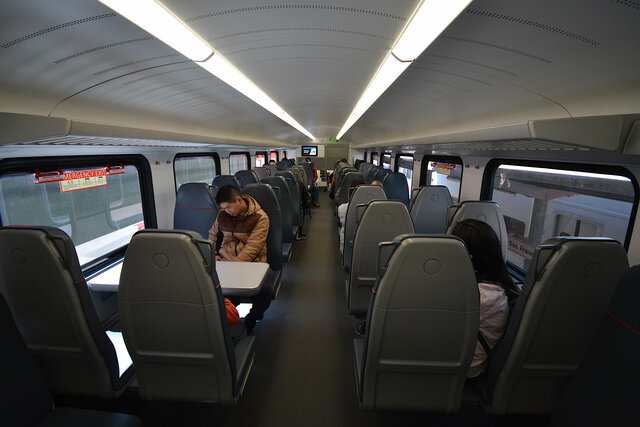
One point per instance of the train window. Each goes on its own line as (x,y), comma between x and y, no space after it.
(273,156)
(440,170)
(199,168)
(386,160)
(98,207)
(404,164)
(261,158)
(374,159)
(238,162)
(539,203)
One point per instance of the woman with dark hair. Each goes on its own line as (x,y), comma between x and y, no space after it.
(494,284)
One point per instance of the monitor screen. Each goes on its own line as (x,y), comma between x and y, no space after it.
(309,150)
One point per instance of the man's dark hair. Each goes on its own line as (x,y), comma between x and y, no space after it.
(227,194)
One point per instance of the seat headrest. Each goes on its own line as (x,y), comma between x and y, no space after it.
(485,211)
(396,187)
(221,180)
(261,172)
(196,208)
(247,177)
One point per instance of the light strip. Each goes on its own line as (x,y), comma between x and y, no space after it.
(157,20)
(222,69)
(428,21)
(564,172)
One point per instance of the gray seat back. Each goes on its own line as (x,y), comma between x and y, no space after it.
(261,172)
(568,288)
(247,177)
(42,281)
(294,190)
(196,208)
(421,329)
(381,221)
(309,171)
(174,320)
(605,389)
(303,174)
(485,211)
(286,205)
(341,174)
(271,169)
(429,209)
(342,196)
(221,180)
(361,195)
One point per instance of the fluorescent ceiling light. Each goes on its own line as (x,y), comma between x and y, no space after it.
(427,22)
(564,172)
(163,25)
(157,20)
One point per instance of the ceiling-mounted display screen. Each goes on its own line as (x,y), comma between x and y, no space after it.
(309,150)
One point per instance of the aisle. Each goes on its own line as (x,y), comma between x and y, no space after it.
(303,371)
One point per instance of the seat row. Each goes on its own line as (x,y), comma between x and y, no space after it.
(280,193)
(422,326)
(174,337)
(420,297)
(394,184)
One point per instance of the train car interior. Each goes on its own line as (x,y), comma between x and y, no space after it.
(372,135)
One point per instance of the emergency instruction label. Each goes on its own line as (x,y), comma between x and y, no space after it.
(81,180)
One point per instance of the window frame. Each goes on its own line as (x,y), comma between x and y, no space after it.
(237,153)
(396,166)
(488,177)
(261,153)
(443,159)
(382,160)
(374,153)
(396,163)
(216,161)
(29,164)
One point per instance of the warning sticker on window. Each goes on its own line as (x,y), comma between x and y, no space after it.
(81,180)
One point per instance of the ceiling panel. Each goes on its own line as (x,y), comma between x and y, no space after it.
(500,62)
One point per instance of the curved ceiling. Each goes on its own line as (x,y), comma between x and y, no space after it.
(500,62)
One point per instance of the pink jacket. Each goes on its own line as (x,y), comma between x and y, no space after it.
(494,311)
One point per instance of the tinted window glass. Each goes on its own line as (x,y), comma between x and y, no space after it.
(405,166)
(238,162)
(194,169)
(541,203)
(447,174)
(99,213)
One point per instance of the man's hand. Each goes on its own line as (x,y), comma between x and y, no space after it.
(219,258)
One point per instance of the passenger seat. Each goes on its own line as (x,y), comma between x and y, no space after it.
(567,290)
(422,327)
(25,399)
(429,209)
(196,208)
(174,320)
(381,221)
(42,281)
(485,211)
